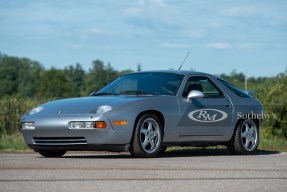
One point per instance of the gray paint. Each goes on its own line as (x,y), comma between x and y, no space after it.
(179,128)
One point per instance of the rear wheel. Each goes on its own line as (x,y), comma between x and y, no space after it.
(147,137)
(245,139)
(47,153)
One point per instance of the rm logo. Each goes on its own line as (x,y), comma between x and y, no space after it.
(207,115)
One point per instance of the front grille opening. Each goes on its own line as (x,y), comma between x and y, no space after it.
(59,140)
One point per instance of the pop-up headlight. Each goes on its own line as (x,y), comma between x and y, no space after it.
(35,110)
(103,109)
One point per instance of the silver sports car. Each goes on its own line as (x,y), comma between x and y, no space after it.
(145,112)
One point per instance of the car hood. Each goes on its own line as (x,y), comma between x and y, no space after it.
(84,105)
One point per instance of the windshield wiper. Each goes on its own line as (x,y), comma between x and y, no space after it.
(136,92)
(102,94)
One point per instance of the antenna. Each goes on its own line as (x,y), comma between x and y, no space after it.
(184,60)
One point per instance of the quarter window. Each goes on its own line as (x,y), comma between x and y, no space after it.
(235,89)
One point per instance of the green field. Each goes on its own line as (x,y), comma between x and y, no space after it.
(15,143)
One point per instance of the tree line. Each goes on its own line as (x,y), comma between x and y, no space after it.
(27,78)
(23,78)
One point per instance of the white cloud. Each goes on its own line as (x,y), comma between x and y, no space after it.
(75,46)
(214,25)
(245,46)
(194,33)
(219,45)
(145,6)
(134,11)
(238,11)
(175,45)
(222,45)
(158,3)
(91,31)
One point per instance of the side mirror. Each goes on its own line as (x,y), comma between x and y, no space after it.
(248,92)
(194,94)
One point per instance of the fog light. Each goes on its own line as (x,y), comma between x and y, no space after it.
(28,126)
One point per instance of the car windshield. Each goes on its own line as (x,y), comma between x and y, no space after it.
(153,83)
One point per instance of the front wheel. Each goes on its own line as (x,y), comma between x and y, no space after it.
(52,154)
(147,138)
(246,138)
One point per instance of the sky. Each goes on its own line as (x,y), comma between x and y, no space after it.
(222,36)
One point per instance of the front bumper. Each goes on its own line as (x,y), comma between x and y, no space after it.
(112,148)
(52,132)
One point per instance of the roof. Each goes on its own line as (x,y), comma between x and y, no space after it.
(181,72)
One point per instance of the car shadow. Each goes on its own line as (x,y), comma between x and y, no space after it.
(98,155)
(169,154)
(208,152)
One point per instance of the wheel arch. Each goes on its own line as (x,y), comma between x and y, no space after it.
(236,144)
(256,120)
(155,112)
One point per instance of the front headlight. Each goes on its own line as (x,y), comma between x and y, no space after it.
(82,124)
(103,109)
(87,124)
(35,110)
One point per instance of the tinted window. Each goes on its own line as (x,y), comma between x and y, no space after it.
(144,83)
(235,89)
(202,84)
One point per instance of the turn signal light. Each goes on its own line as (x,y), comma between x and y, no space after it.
(100,124)
(118,123)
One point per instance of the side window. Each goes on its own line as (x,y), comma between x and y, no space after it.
(202,84)
(235,89)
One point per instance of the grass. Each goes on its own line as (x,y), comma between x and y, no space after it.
(12,108)
(15,143)
(272,143)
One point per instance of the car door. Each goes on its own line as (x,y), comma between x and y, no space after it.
(210,115)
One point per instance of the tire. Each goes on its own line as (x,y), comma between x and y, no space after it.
(147,137)
(52,154)
(245,139)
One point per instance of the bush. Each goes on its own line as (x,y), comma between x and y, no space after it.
(12,108)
